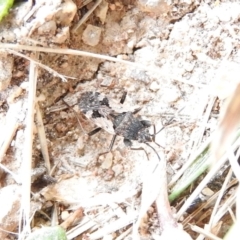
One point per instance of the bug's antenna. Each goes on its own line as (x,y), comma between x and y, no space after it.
(175,115)
(154,151)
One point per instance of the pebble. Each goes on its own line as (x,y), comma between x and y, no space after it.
(91,35)
(48,28)
(154,86)
(207,192)
(171,95)
(108,160)
(118,169)
(15,92)
(6,69)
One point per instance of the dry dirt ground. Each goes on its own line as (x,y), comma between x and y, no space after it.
(187,53)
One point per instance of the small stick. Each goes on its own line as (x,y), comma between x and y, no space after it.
(86,16)
(24,219)
(42,138)
(11,129)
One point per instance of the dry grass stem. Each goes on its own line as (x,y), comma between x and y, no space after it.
(10,131)
(224,208)
(86,16)
(50,70)
(91,222)
(234,164)
(161,72)
(220,196)
(199,188)
(205,205)
(204,232)
(27,154)
(207,178)
(204,122)
(124,234)
(232,214)
(42,138)
(189,162)
(114,226)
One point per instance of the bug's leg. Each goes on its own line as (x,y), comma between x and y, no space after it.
(136,110)
(112,143)
(123,97)
(110,147)
(94,131)
(154,150)
(127,142)
(115,136)
(141,148)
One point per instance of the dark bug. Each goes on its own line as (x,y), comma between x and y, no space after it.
(97,108)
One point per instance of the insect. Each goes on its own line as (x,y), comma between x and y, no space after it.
(114,120)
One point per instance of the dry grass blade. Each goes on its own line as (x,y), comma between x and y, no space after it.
(42,138)
(160,72)
(230,201)
(168,224)
(27,154)
(205,233)
(207,178)
(206,205)
(95,222)
(87,15)
(10,130)
(54,73)
(223,189)
(114,226)
(209,105)
(201,149)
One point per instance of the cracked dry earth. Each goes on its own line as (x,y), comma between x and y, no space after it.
(188,51)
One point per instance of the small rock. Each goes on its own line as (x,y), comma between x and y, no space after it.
(9,217)
(189,67)
(118,169)
(66,13)
(108,237)
(207,192)
(107,162)
(171,95)
(101,11)
(65,215)
(15,92)
(6,68)
(91,35)
(62,36)
(48,28)
(24,85)
(154,86)
(157,7)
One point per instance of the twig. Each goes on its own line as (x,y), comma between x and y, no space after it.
(27,154)
(55,73)
(223,189)
(190,161)
(86,16)
(204,232)
(207,178)
(42,138)
(10,131)
(160,72)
